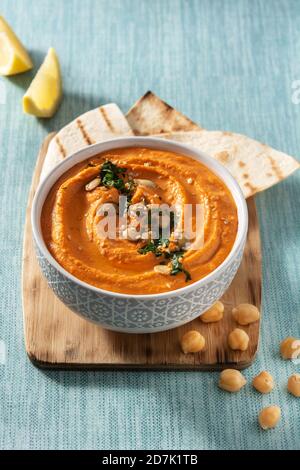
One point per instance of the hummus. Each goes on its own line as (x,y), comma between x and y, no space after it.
(137,266)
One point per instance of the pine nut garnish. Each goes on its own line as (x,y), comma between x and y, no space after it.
(190,180)
(161,269)
(92,184)
(147,183)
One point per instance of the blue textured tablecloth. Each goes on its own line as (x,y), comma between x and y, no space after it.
(228,65)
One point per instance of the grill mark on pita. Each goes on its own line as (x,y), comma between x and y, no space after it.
(148,93)
(269,174)
(251,187)
(276,168)
(242,164)
(223,156)
(166,107)
(61,147)
(85,135)
(106,119)
(245,175)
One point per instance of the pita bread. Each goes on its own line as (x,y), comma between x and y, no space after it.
(97,125)
(254,165)
(150,115)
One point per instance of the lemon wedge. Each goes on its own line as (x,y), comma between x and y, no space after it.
(13,56)
(44,93)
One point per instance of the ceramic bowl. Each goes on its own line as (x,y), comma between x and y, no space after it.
(139,313)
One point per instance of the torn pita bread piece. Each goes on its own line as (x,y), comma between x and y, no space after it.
(97,125)
(150,115)
(255,166)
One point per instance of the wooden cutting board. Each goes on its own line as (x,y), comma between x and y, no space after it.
(57,338)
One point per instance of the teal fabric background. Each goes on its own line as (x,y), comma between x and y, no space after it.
(228,65)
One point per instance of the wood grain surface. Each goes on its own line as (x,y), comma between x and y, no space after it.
(57,338)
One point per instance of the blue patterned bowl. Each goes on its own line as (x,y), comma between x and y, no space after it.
(138,313)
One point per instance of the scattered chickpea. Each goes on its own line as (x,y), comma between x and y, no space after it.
(263,382)
(214,313)
(238,340)
(192,342)
(268,417)
(294,385)
(231,380)
(290,348)
(244,314)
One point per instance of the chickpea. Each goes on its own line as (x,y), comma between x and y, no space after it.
(290,348)
(238,340)
(192,342)
(263,382)
(294,385)
(231,380)
(244,314)
(213,314)
(268,417)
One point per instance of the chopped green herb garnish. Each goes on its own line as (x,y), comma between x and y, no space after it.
(177,266)
(175,257)
(112,176)
(163,242)
(155,246)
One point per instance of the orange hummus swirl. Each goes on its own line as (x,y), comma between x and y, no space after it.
(70,220)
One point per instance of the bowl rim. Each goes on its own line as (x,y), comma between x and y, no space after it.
(148,142)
